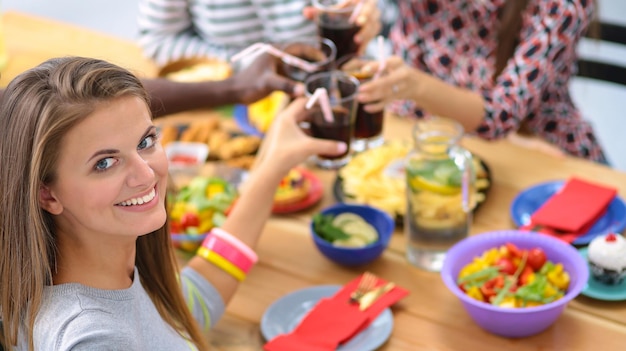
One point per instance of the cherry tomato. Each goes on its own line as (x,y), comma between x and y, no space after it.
(489,288)
(505,265)
(189,219)
(514,251)
(536,258)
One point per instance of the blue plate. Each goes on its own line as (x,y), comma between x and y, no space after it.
(285,314)
(601,291)
(241,118)
(529,201)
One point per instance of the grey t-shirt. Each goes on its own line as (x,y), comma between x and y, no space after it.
(77,317)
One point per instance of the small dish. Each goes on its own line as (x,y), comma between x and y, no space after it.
(600,291)
(285,313)
(186,156)
(316,190)
(347,255)
(529,201)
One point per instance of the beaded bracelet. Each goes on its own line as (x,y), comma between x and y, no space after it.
(221,262)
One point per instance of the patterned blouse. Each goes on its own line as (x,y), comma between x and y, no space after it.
(455,40)
(172,29)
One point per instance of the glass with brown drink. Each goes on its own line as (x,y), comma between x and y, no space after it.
(342,90)
(334,22)
(368,127)
(321,52)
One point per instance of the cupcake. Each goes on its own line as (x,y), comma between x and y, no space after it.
(607,258)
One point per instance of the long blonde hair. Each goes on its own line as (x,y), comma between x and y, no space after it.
(39,107)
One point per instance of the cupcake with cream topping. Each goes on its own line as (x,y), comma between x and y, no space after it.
(607,258)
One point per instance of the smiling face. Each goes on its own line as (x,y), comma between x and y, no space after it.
(111,175)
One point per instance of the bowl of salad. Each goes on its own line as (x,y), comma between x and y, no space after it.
(350,234)
(196,208)
(514,283)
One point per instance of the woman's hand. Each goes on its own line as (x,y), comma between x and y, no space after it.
(397,81)
(260,78)
(286,145)
(368,19)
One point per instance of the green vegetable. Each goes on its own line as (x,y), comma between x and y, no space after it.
(534,291)
(195,193)
(504,292)
(323,226)
(481,276)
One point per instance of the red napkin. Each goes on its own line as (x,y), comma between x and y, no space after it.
(573,210)
(333,321)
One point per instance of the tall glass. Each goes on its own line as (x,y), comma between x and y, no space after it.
(333,22)
(342,90)
(368,127)
(440,184)
(321,52)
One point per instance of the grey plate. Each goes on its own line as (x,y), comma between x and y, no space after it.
(284,315)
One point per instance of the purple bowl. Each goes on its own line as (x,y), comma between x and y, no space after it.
(348,256)
(514,322)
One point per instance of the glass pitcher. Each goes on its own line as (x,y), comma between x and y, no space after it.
(440,183)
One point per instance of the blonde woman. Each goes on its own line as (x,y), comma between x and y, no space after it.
(85,258)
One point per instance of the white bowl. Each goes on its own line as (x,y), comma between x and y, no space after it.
(186,156)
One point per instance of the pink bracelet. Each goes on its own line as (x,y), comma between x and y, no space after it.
(236,243)
(227,251)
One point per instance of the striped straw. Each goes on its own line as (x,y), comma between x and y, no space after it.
(321,96)
(259,48)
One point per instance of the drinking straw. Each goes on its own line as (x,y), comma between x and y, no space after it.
(292,60)
(381,57)
(321,96)
(254,49)
(355,12)
(259,48)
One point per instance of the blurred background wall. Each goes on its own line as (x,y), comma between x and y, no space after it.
(602,103)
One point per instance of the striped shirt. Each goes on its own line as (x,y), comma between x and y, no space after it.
(456,40)
(173,29)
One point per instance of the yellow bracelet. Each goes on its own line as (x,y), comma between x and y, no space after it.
(221,262)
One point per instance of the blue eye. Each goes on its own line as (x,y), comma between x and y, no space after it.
(104,164)
(147,142)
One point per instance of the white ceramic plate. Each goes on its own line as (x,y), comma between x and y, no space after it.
(285,313)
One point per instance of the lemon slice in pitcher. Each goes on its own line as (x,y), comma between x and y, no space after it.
(424,184)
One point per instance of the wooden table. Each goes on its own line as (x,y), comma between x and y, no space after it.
(430,318)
